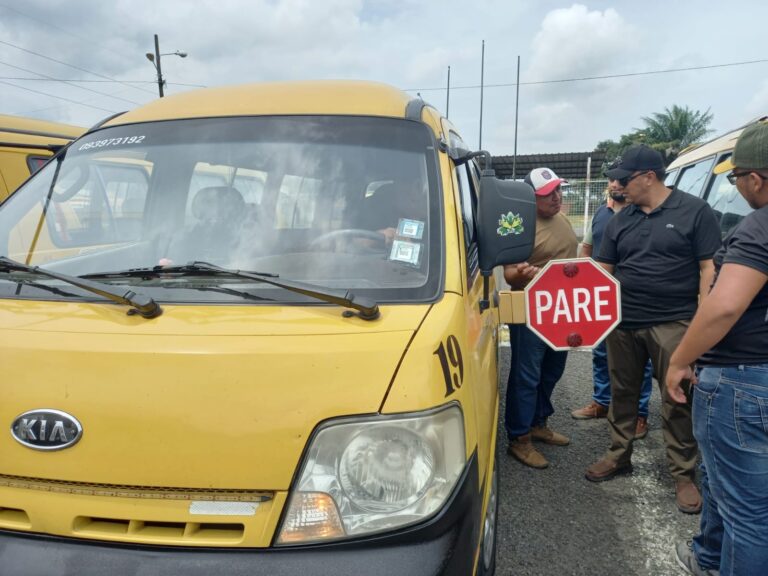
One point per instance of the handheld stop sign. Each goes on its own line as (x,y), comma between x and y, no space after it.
(573,304)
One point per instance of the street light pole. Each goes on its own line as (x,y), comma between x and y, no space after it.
(155,59)
(157,66)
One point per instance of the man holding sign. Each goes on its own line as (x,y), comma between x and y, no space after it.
(660,249)
(535,368)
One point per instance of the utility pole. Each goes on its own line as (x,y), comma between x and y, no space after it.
(160,80)
(517,108)
(482,74)
(448,93)
(155,59)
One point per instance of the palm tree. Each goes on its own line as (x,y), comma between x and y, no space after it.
(672,130)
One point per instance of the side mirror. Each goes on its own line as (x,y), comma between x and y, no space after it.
(506,221)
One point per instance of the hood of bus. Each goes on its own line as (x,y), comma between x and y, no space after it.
(200,397)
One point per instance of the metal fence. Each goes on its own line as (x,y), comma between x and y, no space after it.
(581,198)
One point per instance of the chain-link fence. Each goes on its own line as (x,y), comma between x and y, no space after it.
(581,198)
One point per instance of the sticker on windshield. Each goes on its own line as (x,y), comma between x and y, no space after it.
(112,142)
(404,251)
(410,228)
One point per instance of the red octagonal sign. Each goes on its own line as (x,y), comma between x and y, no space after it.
(573,304)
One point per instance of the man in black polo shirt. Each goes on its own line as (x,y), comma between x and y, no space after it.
(660,249)
(729,337)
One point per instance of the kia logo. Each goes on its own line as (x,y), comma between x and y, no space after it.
(46,429)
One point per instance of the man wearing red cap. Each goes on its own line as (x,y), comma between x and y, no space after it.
(535,368)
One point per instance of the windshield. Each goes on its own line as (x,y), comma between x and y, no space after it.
(339,202)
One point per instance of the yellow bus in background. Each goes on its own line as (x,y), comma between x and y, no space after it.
(693,172)
(26,144)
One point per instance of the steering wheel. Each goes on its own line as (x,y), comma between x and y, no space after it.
(374,241)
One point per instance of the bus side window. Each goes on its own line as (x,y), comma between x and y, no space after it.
(468,185)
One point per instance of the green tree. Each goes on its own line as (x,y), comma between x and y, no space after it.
(676,128)
(668,132)
(615,149)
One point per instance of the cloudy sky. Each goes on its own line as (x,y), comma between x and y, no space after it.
(78,61)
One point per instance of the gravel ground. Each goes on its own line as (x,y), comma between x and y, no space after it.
(555,522)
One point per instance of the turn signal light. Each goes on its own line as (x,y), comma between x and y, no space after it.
(311,516)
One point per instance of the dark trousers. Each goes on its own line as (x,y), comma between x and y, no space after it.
(602,382)
(628,353)
(534,370)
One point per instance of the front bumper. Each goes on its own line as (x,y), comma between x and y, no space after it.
(445,545)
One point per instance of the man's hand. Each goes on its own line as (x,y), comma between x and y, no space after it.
(389,235)
(527,271)
(518,275)
(675,376)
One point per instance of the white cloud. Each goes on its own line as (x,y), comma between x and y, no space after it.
(758,103)
(408,44)
(575,42)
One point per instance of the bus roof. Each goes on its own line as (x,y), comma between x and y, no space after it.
(334,97)
(32,131)
(718,144)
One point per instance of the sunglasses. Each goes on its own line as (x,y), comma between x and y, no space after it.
(627,179)
(732,176)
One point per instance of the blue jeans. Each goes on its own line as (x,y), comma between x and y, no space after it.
(533,373)
(602,382)
(730,422)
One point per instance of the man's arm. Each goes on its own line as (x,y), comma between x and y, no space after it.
(707,276)
(607,267)
(585,251)
(736,287)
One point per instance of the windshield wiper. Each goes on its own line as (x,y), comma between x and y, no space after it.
(154,271)
(231,291)
(140,303)
(58,291)
(367,308)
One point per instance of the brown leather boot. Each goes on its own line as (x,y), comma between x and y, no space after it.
(641,429)
(687,496)
(549,436)
(522,449)
(605,469)
(591,410)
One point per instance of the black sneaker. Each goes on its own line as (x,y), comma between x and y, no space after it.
(687,560)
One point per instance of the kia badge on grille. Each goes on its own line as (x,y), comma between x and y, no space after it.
(46,429)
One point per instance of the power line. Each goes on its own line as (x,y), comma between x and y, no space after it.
(78,80)
(70,65)
(60,29)
(586,78)
(87,41)
(70,83)
(57,97)
(38,110)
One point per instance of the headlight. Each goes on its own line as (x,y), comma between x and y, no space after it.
(375,474)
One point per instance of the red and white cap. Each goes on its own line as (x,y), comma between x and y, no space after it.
(543,181)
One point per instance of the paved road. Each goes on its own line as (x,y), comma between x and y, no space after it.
(555,522)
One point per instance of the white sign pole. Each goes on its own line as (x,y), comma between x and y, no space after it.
(586,198)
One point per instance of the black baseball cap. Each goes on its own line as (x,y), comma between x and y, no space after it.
(636,159)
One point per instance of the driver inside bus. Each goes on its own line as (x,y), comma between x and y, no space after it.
(396,209)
